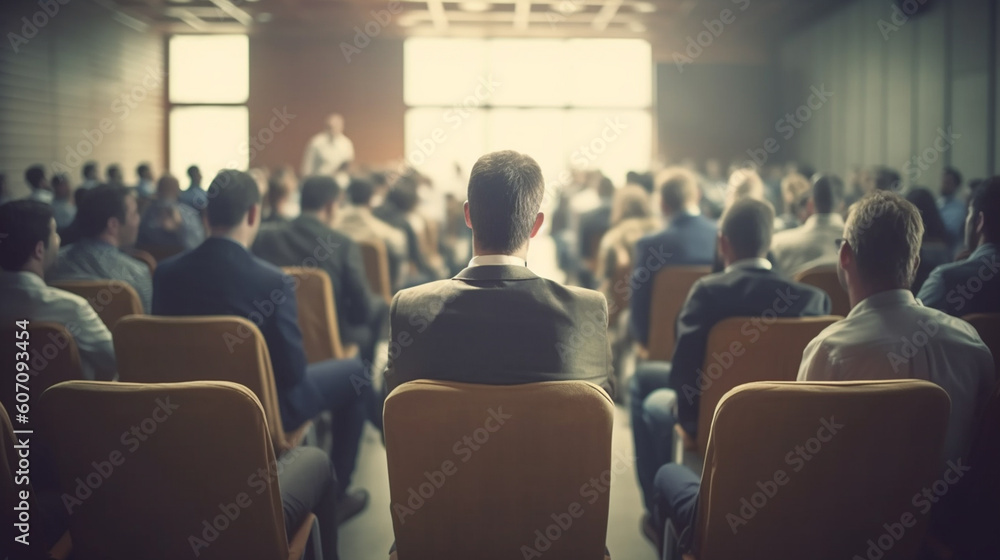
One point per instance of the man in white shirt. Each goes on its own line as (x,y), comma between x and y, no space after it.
(796,248)
(330,152)
(29,247)
(889,334)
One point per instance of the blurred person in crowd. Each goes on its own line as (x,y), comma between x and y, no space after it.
(357,221)
(113,173)
(936,243)
(90,178)
(41,190)
(592,227)
(399,203)
(813,243)
(194,196)
(631,219)
(146,187)
(62,201)
(330,152)
(952,206)
(282,200)
(794,197)
(107,221)
(168,223)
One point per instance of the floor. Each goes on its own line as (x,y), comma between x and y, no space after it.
(368,536)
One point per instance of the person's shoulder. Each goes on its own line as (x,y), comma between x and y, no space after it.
(438,290)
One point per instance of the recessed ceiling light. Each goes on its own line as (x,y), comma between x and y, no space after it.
(644,7)
(474,6)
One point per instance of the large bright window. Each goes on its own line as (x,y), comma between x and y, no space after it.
(209,87)
(578,103)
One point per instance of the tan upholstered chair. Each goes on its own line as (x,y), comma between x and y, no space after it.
(204,454)
(775,356)
(318,315)
(145,257)
(819,470)
(111,299)
(52,358)
(376,260)
(670,290)
(480,471)
(988,327)
(825,278)
(218,348)
(10,490)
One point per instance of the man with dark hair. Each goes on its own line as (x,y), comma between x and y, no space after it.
(39,184)
(168,223)
(90,179)
(951,205)
(29,246)
(221,277)
(747,287)
(877,263)
(106,221)
(399,202)
(812,243)
(310,240)
(496,322)
(688,240)
(592,227)
(114,175)
(62,201)
(357,221)
(971,285)
(194,196)
(146,185)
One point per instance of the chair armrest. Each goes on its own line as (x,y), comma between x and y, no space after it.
(298,543)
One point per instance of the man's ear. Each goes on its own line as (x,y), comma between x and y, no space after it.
(980,222)
(846,256)
(253,214)
(112,226)
(40,251)
(539,220)
(468,220)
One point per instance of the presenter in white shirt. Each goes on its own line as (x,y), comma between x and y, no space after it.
(329,153)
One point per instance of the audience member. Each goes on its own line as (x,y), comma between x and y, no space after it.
(90,179)
(688,240)
(281,192)
(593,225)
(889,334)
(812,243)
(971,285)
(794,196)
(400,201)
(195,195)
(106,222)
(631,220)
(113,173)
(62,201)
(497,322)
(167,223)
(935,246)
(884,179)
(146,186)
(665,394)
(358,221)
(221,277)
(29,248)
(39,184)
(310,237)
(951,205)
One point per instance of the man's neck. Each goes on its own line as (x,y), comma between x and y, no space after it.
(108,238)
(34,267)
(238,237)
(860,291)
(521,253)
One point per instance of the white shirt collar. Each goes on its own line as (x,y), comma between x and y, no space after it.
(888,298)
(831,219)
(486,260)
(758,263)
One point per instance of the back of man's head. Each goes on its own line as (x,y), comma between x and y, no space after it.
(505,193)
(827,194)
(99,205)
(403,193)
(678,188)
(884,231)
(360,191)
(230,197)
(194,173)
(144,171)
(90,170)
(748,224)
(317,192)
(23,223)
(605,188)
(168,187)
(887,179)
(986,199)
(35,176)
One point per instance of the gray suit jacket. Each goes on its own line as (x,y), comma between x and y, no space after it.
(499,325)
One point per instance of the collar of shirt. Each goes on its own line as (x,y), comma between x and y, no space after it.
(982,250)
(487,260)
(24,279)
(750,264)
(831,219)
(888,298)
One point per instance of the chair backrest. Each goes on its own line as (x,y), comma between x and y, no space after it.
(492,472)
(376,259)
(153,349)
(165,471)
(821,470)
(145,257)
(740,351)
(52,358)
(985,456)
(317,314)
(825,278)
(988,327)
(111,299)
(670,290)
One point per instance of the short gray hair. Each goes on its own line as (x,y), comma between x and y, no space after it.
(885,232)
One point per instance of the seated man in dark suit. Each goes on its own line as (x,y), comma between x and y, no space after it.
(496,322)
(746,288)
(971,285)
(221,277)
(688,240)
(593,225)
(309,240)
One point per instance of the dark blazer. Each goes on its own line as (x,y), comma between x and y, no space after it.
(220,277)
(593,224)
(304,241)
(738,293)
(687,241)
(965,287)
(391,214)
(499,325)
